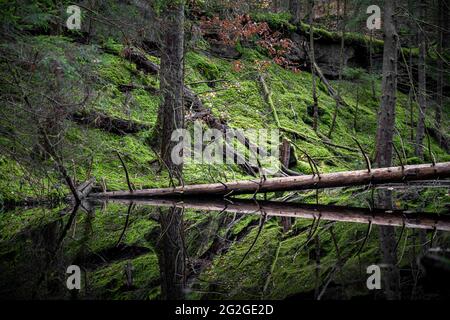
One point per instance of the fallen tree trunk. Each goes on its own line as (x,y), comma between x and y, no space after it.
(327,180)
(85,188)
(140,60)
(130,87)
(108,123)
(396,218)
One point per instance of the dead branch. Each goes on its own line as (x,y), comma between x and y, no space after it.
(130,188)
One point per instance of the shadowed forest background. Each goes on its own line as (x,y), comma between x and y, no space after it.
(92,110)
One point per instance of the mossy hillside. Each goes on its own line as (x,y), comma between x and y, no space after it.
(95,145)
(239,101)
(138,104)
(19,179)
(276,21)
(100,147)
(243,105)
(291,95)
(98,151)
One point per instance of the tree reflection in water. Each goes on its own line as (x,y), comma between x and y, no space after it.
(172,254)
(388,247)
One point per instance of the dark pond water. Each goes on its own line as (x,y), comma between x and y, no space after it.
(215,249)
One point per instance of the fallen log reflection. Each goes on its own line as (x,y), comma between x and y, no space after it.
(397,218)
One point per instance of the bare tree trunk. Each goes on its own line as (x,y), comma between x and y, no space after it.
(385,133)
(355,115)
(285,156)
(294,9)
(391,274)
(171,111)
(386,115)
(341,67)
(171,117)
(442,20)
(276,5)
(420,132)
(411,101)
(171,254)
(312,62)
(372,80)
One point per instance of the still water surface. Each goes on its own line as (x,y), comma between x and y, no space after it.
(216,249)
